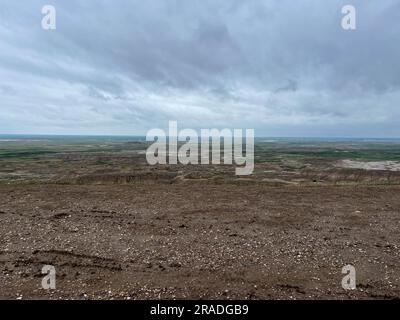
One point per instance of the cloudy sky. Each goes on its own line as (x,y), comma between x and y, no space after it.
(284,68)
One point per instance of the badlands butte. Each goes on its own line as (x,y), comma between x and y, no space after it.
(115,227)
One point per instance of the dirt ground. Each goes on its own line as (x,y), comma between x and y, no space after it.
(179,241)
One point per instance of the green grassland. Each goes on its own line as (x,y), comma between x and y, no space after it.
(48,159)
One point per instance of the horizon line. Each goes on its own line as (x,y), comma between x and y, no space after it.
(138,135)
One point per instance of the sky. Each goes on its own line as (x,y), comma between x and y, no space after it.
(283,68)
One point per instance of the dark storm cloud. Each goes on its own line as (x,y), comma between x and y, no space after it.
(281,67)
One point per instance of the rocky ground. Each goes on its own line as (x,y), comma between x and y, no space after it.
(193,240)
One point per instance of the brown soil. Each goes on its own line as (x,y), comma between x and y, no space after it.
(154,240)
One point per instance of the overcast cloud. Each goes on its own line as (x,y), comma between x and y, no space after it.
(284,68)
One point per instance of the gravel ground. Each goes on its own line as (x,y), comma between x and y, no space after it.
(180,241)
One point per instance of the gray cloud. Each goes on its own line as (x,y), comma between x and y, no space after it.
(281,67)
